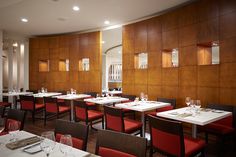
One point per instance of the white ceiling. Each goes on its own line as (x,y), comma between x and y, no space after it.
(57,16)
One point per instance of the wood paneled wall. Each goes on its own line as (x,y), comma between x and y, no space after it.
(74,48)
(183,28)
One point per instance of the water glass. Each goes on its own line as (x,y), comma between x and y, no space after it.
(47,143)
(13,129)
(187,101)
(198,105)
(142,96)
(66,144)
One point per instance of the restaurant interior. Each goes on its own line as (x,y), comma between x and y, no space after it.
(117,78)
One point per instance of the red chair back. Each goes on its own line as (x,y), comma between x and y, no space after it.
(114,118)
(81,109)
(124,145)
(167,136)
(27,102)
(79,133)
(15,116)
(51,104)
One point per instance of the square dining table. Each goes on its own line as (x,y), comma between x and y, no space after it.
(204,117)
(13,96)
(72,97)
(142,106)
(106,100)
(6,152)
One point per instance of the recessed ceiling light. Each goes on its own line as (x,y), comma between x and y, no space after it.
(103,42)
(75,8)
(107,22)
(24,20)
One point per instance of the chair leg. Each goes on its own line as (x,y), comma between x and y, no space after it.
(45,118)
(102,123)
(206,137)
(203,153)
(70,116)
(33,117)
(141,132)
(150,152)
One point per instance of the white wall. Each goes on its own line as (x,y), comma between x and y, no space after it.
(1,67)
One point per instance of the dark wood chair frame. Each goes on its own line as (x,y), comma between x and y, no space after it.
(34,111)
(76,130)
(123,142)
(118,113)
(172,127)
(17,115)
(82,104)
(57,114)
(2,111)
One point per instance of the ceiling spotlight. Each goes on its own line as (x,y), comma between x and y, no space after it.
(24,20)
(103,42)
(107,22)
(75,8)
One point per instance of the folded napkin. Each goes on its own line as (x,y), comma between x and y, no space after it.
(23,142)
(183,115)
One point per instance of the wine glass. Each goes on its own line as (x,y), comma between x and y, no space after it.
(48,142)
(13,129)
(2,127)
(145,98)
(198,105)
(65,144)
(187,101)
(142,96)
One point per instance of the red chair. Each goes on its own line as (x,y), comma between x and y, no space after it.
(17,116)
(2,111)
(78,132)
(128,112)
(115,144)
(5,104)
(224,129)
(27,103)
(115,121)
(167,137)
(82,113)
(53,108)
(166,100)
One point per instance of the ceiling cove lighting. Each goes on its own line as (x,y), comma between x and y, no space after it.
(107,22)
(24,20)
(76,8)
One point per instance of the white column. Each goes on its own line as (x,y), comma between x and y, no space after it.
(1,65)
(26,65)
(10,67)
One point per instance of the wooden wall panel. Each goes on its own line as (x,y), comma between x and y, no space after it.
(72,47)
(184,28)
(140,37)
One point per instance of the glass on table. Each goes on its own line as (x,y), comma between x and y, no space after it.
(187,101)
(47,143)
(198,106)
(66,144)
(142,96)
(13,128)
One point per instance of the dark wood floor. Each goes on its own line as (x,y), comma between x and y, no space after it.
(38,128)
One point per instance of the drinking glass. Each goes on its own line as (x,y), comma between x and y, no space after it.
(187,101)
(68,92)
(142,96)
(65,144)
(198,105)
(2,127)
(13,129)
(145,98)
(47,143)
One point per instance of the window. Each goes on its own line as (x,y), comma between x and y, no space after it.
(208,53)
(115,73)
(64,65)
(141,61)
(43,65)
(170,58)
(84,64)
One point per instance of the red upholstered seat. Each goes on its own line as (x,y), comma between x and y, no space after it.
(131,125)
(3,133)
(38,106)
(107,152)
(192,145)
(51,107)
(6,104)
(94,115)
(63,108)
(77,143)
(90,104)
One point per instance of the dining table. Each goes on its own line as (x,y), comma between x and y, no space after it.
(12,97)
(142,107)
(201,117)
(71,98)
(21,152)
(46,94)
(106,100)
